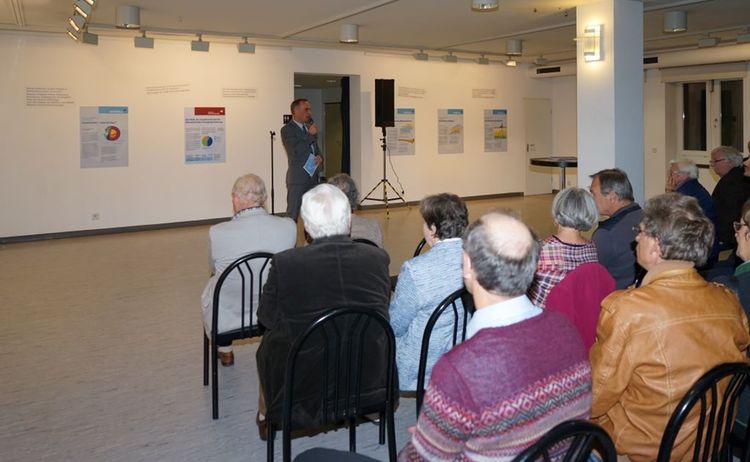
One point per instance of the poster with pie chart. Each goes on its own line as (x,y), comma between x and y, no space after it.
(104,136)
(205,135)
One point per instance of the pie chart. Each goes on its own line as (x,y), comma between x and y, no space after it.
(207,140)
(112,133)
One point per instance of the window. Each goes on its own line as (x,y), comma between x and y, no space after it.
(694,116)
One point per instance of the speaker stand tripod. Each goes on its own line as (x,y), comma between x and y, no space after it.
(384,182)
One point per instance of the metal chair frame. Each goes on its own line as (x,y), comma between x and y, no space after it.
(346,359)
(715,423)
(584,436)
(249,282)
(420,247)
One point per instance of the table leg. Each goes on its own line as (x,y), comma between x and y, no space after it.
(562,178)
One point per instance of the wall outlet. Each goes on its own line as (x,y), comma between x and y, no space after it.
(95,216)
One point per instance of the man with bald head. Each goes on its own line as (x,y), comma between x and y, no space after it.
(514,353)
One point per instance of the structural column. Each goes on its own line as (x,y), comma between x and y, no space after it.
(610,90)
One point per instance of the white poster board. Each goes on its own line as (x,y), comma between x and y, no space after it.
(495,130)
(401,138)
(450,131)
(104,136)
(205,140)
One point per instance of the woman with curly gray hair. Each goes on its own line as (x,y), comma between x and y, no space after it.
(362,227)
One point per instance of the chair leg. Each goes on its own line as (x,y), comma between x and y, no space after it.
(205,359)
(391,433)
(269,443)
(353,434)
(381,429)
(214,381)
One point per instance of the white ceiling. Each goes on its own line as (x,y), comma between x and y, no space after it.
(545,26)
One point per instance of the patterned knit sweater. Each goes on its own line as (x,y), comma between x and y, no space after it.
(497,393)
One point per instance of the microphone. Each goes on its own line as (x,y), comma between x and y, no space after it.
(310,122)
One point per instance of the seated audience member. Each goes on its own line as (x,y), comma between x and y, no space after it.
(515,353)
(424,281)
(739,282)
(613,195)
(573,211)
(683,179)
(362,228)
(251,229)
(305,283)
(655,341)
(730,192)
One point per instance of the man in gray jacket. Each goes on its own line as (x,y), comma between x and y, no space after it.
(300,138)
(251,229)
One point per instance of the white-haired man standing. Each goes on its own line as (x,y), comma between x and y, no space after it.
(305,283)
(251,229)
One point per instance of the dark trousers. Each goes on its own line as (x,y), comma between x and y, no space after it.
(294,194)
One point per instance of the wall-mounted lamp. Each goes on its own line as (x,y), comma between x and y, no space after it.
(675,21)
(484,5)
(199,45)
(349,33)
(592,43)
(246,47)
(143,41)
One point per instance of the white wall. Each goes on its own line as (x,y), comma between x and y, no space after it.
(564,126)
(42,188)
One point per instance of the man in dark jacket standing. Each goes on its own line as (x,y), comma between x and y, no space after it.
(300,139)
(305,283)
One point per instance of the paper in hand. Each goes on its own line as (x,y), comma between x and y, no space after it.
(310,165)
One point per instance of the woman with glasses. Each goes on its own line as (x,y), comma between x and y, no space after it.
(653,342)
(740,280)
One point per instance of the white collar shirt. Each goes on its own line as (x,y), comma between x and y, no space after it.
(502,314)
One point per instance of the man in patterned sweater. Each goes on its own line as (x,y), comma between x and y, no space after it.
(521,370)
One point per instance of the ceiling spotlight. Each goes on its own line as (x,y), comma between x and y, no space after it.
(89,38)
(72,34)
(482,60)
(484,5)
(246,47)
(83,8)
(90,2)
(143,41)
(421,56)
(349,33)
(128,17)
(675,21)
(199,45)
(449,58)
(514,47)
(744,38)
(511,62)
(707,42)
(541,61)
(76,22)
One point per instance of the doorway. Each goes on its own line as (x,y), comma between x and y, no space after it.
(326,95)
(538,123)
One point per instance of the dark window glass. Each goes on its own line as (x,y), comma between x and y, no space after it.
(694,116)
(731,114)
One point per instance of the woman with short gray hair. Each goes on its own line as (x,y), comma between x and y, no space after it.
(362,228)
(574,211)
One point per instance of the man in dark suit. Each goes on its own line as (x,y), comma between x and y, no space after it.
(300,138)
(730,192)
(305,283)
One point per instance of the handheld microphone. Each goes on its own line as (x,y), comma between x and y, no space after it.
(310,122)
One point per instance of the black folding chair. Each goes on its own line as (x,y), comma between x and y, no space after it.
(250,268)
(459,314)
(571,441)
(343,340)
(362,240)
(420,247)
(716,414)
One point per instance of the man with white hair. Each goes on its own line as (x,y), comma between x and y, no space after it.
(251,229)
(515,353)
(683,179)
(730,192)
(305,283)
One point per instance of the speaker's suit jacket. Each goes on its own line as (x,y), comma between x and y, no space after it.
(298,144)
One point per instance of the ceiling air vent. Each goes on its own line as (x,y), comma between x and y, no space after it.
(548,70)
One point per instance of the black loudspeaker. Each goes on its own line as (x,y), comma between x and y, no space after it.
(384,110)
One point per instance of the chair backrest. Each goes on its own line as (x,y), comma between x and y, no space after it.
(344,344)
(249,272)
(420,247)
(718,392)
(571,441)
(579,297)
(461,315)
(362,240)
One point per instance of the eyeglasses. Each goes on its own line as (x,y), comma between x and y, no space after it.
(714,162)
(636,230)
(737,225)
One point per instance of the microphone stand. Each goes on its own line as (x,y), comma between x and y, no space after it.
(273,209)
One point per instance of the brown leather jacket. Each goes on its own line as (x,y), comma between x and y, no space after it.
(653,343)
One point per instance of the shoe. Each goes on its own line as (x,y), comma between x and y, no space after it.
(262,427)
(227,359)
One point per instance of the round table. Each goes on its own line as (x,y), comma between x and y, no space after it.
(561,162)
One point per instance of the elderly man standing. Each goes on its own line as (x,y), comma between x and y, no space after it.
(730,192)
(514,353)
(305,283)
(251,229)
(614,239)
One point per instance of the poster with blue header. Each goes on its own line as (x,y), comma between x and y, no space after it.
(104,136)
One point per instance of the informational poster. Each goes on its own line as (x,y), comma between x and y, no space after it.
(104,136)
(205,140)
(450,131)
(400,138)
(495,130)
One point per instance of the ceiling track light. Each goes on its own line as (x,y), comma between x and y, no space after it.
(450,58)
(511,62)
(482,60)
(675,21)
(246,47)
(90,2)
(744,38)
(89,38)
(349,33)
(708,42)
(143,41)
(199,45)
(77,22)
(421,56)
(541,61)
(83,8)
(72,34)
(483,6)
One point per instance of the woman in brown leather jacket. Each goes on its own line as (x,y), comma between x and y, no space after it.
(656,340)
